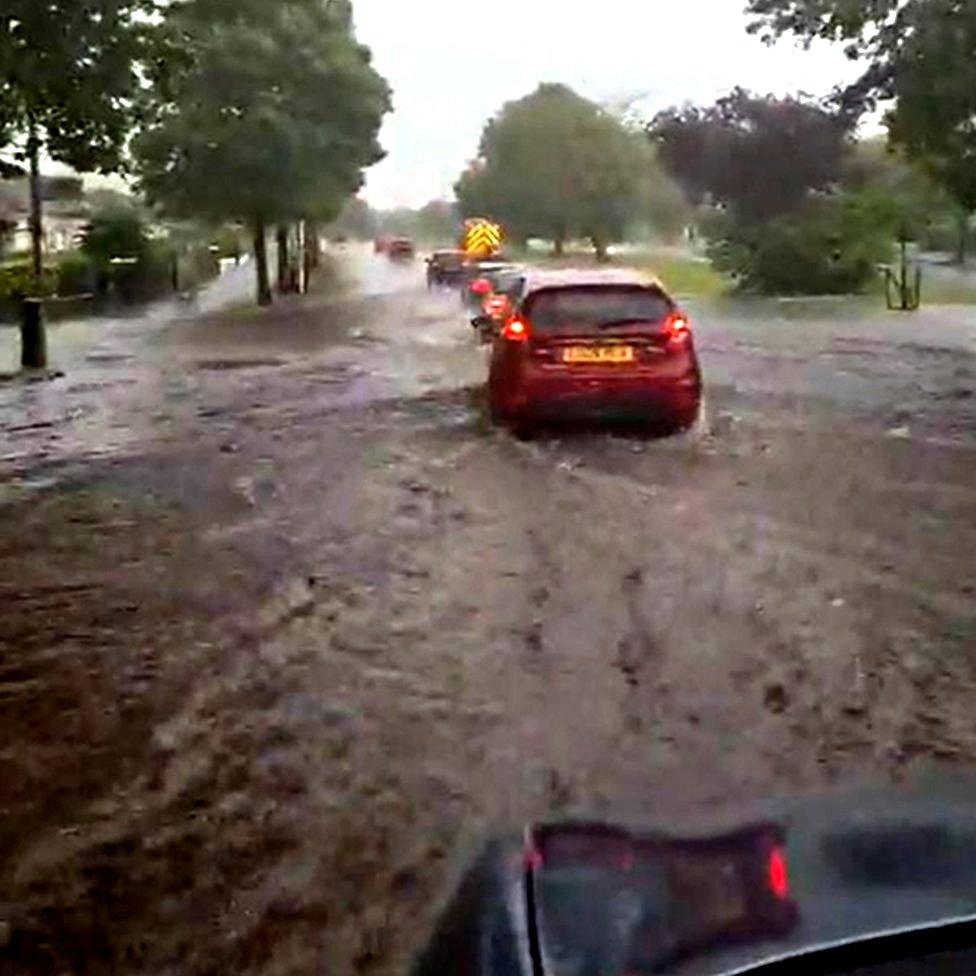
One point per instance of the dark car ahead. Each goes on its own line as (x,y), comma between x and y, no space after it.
(445,268)
(480,279)
(591,346)
(505,285)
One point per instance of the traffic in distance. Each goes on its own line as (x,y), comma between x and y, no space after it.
(569,345)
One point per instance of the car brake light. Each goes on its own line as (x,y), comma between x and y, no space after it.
(676,330)
(480,286)
(516,330)
(677,324)
(776,873)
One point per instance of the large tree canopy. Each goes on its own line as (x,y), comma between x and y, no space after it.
(68,69)
(261,112)
(67,80)
(759,157)
(918,53)
(554,165)
(769,171)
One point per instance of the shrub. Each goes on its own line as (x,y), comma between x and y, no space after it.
(17,282)
(832,246)
(76,274)
(119,232)
(114,233)
(150,277)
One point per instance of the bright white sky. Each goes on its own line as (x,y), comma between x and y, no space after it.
(452,64)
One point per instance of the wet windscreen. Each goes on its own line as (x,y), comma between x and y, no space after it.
(592,308)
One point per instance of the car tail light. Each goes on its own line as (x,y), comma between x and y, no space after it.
(676,325)
(776,873)
(676,330)
(480,286)
(516,330)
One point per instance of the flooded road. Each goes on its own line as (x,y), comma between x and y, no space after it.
(287,625)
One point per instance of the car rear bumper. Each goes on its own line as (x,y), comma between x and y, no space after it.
(638,400)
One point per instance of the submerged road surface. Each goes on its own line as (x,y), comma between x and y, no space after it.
(286,626)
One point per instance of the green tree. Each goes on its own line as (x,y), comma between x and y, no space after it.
(769,173)
(262,112)
(556,165)
(474,193)
(918,53)
(896,193)
(757,156)
(115,234)
(67,80)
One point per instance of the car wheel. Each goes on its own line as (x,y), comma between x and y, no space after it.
(521,429)
(494,412)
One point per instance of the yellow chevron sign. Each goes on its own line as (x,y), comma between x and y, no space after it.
(481,236)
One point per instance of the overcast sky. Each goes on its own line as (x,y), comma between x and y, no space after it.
(452,63)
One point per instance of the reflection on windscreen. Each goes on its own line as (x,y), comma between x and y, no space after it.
(589,308)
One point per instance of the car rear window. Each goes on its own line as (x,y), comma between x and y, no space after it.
(587,308)
(508,283)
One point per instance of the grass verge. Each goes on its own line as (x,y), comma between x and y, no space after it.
(682,274)
(685,275)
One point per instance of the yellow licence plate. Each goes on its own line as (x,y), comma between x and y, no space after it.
(598,354)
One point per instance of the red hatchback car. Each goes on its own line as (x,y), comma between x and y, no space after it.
(592,346)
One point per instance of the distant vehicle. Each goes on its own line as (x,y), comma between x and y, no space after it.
(497,301)
(400,248)
(594,346)
(507,280)
(479,280)
(445,268)
(380,245)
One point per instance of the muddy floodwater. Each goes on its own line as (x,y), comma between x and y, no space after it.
(287,626)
